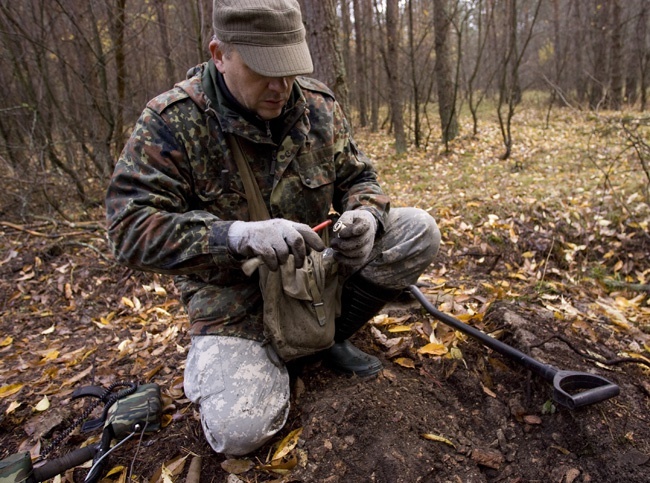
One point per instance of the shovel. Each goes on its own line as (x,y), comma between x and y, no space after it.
(570,388)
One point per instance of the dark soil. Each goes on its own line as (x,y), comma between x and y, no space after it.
(482,418)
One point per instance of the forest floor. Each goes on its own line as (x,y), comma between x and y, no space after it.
(547,251)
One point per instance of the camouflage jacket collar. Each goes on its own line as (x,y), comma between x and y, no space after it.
(209,98)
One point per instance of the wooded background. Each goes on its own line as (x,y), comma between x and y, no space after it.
(76,75)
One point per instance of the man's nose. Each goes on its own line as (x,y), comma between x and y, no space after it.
(278,84)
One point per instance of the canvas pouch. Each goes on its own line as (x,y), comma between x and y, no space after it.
(300,305)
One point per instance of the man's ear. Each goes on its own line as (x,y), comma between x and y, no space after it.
(217,55)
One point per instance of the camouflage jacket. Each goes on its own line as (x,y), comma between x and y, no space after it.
(176,191)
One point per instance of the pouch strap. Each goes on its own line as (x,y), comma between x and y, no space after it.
(257,210)
(317,299)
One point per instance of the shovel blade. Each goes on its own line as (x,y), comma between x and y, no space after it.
(576,389)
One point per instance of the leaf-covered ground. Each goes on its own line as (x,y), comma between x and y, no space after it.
(547,251)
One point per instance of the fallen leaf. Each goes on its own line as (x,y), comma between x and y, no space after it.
(281,466)
(7,341)
(434,349)
(441,439)
(169,470)
(12,407)
(405,362)
(43,404)
(287,444)
(10,389)
(236,466)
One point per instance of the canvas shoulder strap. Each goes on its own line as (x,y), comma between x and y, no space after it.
(256,206)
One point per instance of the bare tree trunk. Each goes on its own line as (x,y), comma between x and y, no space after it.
(443,71)
(118,22)
(578,79)
(165,46)
(616,65)
(361,34)
(414,77)
(484,26)
(509,88)
(201,33)
(346,22)
(371,54)
(599,41)
(643,53)
(392,63)
(322,37)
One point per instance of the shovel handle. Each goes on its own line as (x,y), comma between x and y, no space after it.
(544,370)
(571,389)
(576,389)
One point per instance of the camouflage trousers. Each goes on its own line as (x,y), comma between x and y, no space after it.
(242,387)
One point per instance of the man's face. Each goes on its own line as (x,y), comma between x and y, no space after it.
(266,96)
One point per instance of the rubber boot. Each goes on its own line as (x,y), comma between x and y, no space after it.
(360,301)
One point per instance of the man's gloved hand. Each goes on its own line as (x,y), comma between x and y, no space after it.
(355,238)
(273,241)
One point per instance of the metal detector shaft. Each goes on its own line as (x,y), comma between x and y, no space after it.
(591,388)
(61,465)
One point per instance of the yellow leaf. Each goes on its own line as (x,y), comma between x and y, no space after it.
(43,404)
(50,356)
(10,389)
(169,470)
(287,444)
(281,466)
(127,302)
(405,362)
(115,470)
(399,328)
(435,437)
(7,341)
(48,331)
(434,349)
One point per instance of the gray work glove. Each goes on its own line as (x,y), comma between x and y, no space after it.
(355,237)
(273,241)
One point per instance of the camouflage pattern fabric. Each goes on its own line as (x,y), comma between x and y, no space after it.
(242,390)
(407,246)
(176,191)
(143,408)
(16,468)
